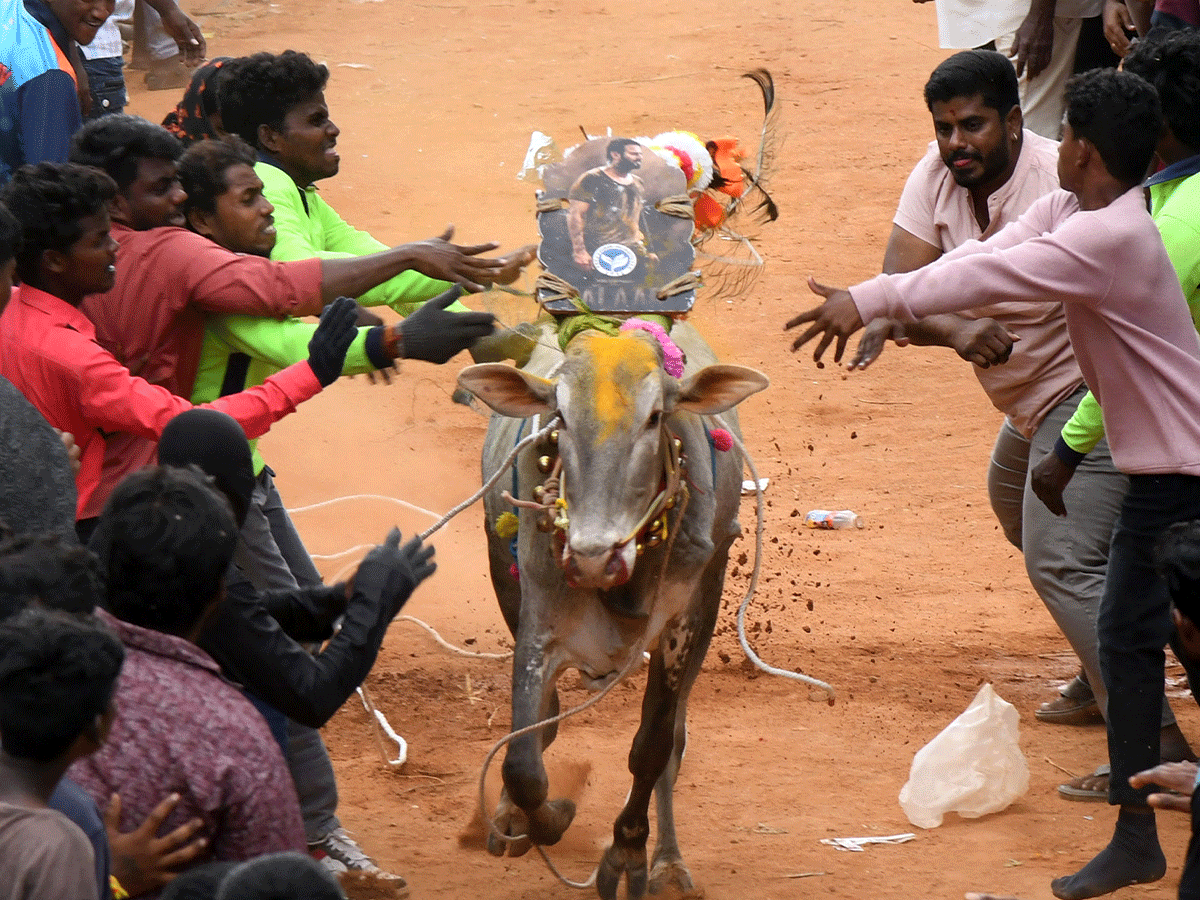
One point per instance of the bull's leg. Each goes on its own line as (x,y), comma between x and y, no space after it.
(667,866)
(524,809)
(648,758)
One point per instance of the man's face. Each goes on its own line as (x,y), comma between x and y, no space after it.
(89,266)
(1068,159)
(243,220)
(305,145)
(630,158)
(977,145)
(82,18)
(154,197)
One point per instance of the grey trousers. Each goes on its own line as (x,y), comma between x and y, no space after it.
(1066,558)
(272,556)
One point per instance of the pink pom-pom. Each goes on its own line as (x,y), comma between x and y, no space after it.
(722,439)
(514,572)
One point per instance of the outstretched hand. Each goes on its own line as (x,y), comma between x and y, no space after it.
(391,572)
(435,334)
(440,259)
(143,862)
(836,318)
(874,337)
(513,264)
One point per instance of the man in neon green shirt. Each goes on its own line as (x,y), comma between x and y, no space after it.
(276,103)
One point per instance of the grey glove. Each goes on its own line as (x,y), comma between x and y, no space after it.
(390,573)
(435,335)
(333,337)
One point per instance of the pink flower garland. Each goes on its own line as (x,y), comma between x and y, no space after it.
(672,355)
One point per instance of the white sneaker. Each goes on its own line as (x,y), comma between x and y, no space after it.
(339,849)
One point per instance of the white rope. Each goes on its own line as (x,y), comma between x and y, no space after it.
(379,720)
(741,614)
(496,476)
(355,549)
(442,642)
(384,497)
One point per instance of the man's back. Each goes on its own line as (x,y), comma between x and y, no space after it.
(43,855)
(181,727)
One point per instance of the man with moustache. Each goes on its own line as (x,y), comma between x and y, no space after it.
(605,204)
(982,172)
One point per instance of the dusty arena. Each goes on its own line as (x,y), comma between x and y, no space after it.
(906,618)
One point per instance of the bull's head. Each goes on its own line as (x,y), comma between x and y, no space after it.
(613,398)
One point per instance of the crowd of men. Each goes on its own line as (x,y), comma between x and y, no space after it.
(168,650)
(1055,266)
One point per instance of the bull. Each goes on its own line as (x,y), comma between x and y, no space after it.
(627,515)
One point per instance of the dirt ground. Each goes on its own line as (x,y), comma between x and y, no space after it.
(906,618)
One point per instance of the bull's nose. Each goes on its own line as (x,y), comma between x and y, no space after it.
(601,570)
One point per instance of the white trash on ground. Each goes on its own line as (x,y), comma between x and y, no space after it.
(974,767)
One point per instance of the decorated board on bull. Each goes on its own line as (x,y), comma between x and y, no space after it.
(616,226)
(608,538)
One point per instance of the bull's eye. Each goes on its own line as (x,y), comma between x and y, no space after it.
(655,418)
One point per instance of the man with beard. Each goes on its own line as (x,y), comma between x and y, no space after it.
(981,173)
(606,205)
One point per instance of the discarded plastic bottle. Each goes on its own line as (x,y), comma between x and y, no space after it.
(824,518)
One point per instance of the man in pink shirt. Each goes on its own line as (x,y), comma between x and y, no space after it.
(980,174)
(1094,248)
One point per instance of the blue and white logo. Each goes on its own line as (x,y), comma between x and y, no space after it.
(614,260)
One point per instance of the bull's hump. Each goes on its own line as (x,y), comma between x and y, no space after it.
(615,368)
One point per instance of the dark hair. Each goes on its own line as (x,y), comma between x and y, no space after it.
(280,876)
(617,145)
(57,674)
(117,143)
(983,73)
(262,89)
(165,539)
(10,235)
(1170,61)
(1120,115)
(54,570)
(50,200)
(203,169)
(200,883)
(1177,558)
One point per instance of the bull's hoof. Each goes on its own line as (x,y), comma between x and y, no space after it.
(618,861)
(671,878)
(510,822)
(545,827)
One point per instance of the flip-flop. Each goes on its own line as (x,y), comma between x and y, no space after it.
(1086,788)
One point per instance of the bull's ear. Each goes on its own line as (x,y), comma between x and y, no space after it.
(715,389)
(507,390)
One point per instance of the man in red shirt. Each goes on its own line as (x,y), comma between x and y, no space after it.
(48,348)
(152,318)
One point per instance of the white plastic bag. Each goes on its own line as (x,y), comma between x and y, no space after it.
(974,767)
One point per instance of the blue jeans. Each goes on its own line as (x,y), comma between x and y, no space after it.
(106,83)
(1135,624)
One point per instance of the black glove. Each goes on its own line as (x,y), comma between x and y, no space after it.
(331,340)
(390,572)
(434,335)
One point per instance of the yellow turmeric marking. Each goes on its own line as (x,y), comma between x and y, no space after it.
(619,364)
